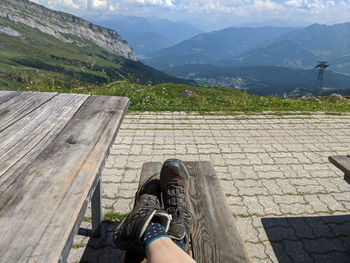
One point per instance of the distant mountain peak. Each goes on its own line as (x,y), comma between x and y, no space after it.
(65,27)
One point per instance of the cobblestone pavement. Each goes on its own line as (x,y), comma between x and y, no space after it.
(289,202)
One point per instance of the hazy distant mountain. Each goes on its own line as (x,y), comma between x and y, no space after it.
(39,45)
(289,47)
(217,45)
(263,80)
(303,48)
(148,34)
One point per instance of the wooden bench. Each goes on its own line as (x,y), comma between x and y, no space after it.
(214,234)
(52,149)
(343,163)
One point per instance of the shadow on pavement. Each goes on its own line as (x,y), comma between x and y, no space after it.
(309,239)
(101,250)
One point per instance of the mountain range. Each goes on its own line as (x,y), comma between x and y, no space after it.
(275,46)
(148,34)
(39,45)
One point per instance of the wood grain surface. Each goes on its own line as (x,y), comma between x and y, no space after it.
(342,162)
(22,142)
(6,95)
(45,201)
(20,105)
(214,234)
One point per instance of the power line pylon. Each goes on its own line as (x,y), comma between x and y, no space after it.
(322,65)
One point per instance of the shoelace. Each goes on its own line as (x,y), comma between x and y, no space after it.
(176,212)
(178,208)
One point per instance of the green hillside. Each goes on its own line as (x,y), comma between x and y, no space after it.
(34,57)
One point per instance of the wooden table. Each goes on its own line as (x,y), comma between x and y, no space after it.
(52,149)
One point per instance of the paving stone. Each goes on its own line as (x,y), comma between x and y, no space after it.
(316,203)
(332,204)
(240,210)
(253,205)
(323,245)
(248,232)
(295,250)
(123,205)
(336,256)
(256,251)
(269,205)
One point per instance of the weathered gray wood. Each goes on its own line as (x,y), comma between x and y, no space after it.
(23,141)
(44,203)
(6,95)
(343,163)
(214,234)
(20,105)
(96,211)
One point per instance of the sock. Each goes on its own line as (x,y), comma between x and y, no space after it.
(153,231)
(180,243)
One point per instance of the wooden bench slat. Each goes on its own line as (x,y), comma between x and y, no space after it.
(20,105)
(58,183)
(342,162)
(214,234)
(23,140)
(6,95)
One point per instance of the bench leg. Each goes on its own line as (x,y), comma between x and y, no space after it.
(96,211)
(347,178)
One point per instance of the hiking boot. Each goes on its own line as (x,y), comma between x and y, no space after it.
(174,184)
(128,235)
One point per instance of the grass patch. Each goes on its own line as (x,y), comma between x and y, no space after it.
(228,195)
(205,100)
(87,219)
(115,217)
(78,245)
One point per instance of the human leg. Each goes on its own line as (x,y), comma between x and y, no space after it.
(164,250)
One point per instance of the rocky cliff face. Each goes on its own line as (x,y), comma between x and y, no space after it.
(66,27)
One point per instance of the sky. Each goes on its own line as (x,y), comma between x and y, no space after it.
(213,14)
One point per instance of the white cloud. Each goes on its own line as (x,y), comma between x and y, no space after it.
(99,4)
(229,12)
(160,3)
(71,4)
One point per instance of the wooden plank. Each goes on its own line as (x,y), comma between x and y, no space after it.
(20,105)
(45,201)
(22,142)
(343,163)
(6,95)
(148,169)
(215,236)
(97,211)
